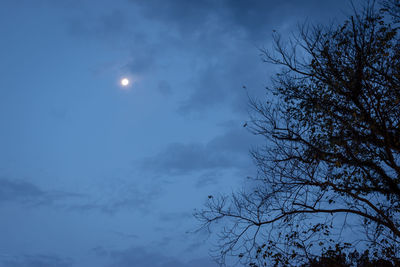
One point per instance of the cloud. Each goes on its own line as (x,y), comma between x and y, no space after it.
(188,16)
(180,158)
(36,261)
(24,192)
(20,191)
(207,178)
(253,17)
(138,256)
(224,37)
(164,88)
(107,25)
(226,151)
(209,90)
(192,17)
(119,195)
(221,36)
(106,200)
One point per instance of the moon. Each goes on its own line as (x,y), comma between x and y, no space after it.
(124,82)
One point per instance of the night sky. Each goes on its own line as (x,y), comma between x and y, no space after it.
(96,174)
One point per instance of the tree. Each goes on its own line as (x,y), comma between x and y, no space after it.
(337,258)
(392,7)
(329,172)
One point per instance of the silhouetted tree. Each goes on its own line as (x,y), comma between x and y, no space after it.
(329,173)
(392,7)
(337,258)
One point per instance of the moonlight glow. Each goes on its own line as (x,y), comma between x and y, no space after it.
(124,82)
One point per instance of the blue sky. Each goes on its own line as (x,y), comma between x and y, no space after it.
(94,174)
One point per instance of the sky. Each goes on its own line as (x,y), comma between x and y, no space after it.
(96,174)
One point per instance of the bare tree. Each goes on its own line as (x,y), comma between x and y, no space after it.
(329,173)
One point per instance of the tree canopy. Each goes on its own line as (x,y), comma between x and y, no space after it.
(329,172)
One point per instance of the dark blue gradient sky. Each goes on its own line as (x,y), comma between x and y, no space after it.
(93,174)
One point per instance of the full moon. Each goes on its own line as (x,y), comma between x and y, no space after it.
(124,82)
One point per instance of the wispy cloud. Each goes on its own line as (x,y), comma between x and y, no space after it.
(139,256)
(27,193)
(226,151)
(106,200)
(38,260)
(118,197)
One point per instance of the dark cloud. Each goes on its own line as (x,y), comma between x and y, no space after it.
(164,88)
(116,28)
(209,90)
(20,191)
(144,61)
(119,29)
(226,151)
(137,202)
(225,37)
(105,26)
(188,16)
(24,192)
(36,261)
(180,158)
(123,196)
(220,85)
(258,17)
(237,140)
(138,256)
(254,17)
(192,17)
(222,35)
(207,179)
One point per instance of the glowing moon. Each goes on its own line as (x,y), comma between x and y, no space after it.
(124,82)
